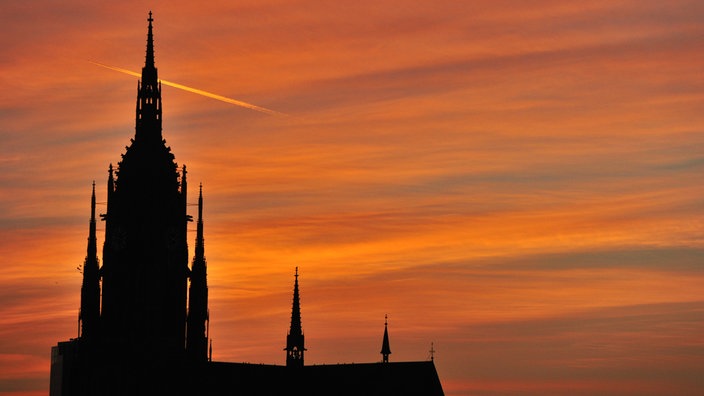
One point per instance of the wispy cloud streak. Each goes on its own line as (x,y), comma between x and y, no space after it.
(527,173)
(198,91)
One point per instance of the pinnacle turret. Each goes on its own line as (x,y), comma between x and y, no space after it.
(90,288)
(198,317)
(200,241)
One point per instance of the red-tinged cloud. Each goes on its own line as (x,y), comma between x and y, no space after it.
(518,184)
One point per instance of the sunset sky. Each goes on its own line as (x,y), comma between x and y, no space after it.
(519,183)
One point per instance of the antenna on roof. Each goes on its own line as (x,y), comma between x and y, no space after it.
(432,352)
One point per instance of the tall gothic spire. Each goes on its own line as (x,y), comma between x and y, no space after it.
(90,289)
(197,323)
(385,348)
(149,63)
(145,256)
(148,123)
(295,339)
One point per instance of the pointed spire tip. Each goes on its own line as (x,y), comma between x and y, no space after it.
(149,62)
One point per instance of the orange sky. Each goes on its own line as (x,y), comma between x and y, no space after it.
(519,184)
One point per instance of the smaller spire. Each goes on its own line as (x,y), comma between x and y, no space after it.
(198,321)
(200,198)
(90,288)
(296,308)
(295,340)
(92,206)
(385,348)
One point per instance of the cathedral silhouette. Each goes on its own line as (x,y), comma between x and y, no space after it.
(143,321)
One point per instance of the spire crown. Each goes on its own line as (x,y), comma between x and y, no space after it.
(296,328)
(150,44)
(148,117)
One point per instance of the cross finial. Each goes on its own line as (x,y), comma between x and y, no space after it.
(432,352)
(150,17)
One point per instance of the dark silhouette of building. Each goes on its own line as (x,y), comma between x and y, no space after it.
(143,330)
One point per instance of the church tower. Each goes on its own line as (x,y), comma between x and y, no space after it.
(145,254)
(90,289)
(143,322)
(198,316)
(295,339)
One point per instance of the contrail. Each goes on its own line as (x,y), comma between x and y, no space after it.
(198,91)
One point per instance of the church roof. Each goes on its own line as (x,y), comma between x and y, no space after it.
(397,378)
